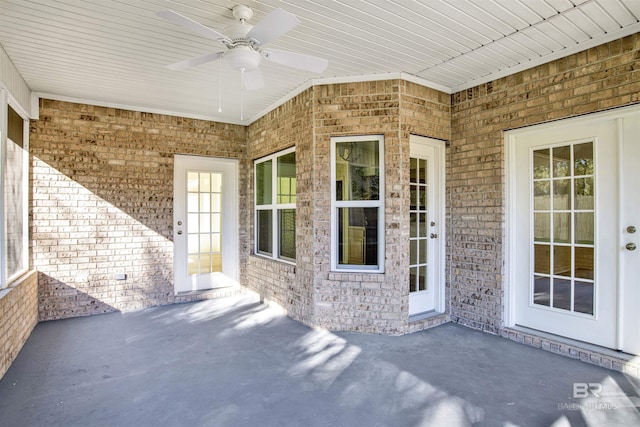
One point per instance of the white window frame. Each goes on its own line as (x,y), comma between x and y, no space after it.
(274,207)
(7,100)
(337,204)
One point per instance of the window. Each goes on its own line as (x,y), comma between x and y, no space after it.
(275,204)
(357,208)
(14,260)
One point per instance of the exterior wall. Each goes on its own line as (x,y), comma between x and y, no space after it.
(102,182)
(289,285)
(424,112)
(358,301)
(19,315)
(309,291)
(600,78)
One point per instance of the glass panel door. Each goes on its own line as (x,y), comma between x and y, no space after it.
(205,223)
(563,216)
(426,214)
(419,228)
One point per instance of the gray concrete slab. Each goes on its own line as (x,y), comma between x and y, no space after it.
(235,362)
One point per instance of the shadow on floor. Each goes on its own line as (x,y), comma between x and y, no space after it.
(235,362)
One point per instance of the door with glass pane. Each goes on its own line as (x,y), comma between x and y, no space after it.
(205,223)
(569,257)
(426,216)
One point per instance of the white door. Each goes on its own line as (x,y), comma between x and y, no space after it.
(426,219)
(573,193)
(205,223)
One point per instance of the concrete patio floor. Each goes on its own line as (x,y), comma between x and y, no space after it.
(235,362)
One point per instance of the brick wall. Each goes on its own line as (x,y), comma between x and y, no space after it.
(102,183)
(290,286)
(19,315)
(310,291)
(600,78)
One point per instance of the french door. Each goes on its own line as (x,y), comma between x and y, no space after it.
(426,219)
(205,223)
(573,208)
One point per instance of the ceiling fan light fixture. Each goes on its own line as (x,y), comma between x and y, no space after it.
(242,58)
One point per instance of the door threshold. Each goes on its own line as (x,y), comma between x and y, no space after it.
(206,291)
(590,353)
(426,320)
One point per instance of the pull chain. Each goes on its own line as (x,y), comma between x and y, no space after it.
(220,85)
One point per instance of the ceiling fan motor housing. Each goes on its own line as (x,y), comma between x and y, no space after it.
(242,58)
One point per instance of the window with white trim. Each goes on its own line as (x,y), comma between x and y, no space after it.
(275,205)
(14,165)
(357,203)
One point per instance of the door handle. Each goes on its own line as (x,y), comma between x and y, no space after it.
(179,231)
(631,246)
(434,236)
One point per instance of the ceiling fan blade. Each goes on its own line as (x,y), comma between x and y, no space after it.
(190,24)
(192,62)
(272,26)
(253,79)
(296,60)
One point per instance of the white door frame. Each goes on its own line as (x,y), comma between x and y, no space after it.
(230,222)
(436,254)
(623,315)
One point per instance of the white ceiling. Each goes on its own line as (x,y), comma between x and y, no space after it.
(114,52)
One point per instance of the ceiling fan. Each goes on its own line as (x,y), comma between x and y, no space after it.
(245,43)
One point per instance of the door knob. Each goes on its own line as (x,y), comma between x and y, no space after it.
(179,231)
(434,236)
(631,246)
(631,229)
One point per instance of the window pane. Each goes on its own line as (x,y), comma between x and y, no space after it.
(287,178)
(541,290)
(287,233)
(562,161)
(413,252)
(562,227)
(14,195)
(413,170)
(413,279)
(583,159)
(422,279)
(264,233)
(205,182)
(562,294)
(584,193)
(193,182)
(583,297)
(561,194)
(542,195)
(15,131)
(358,236)
(14,178)
(584,263)
(584,228)
(542,227)
(562,260)
(423,250)
(357,170)
(541,162)
(542,259)
(263,183)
